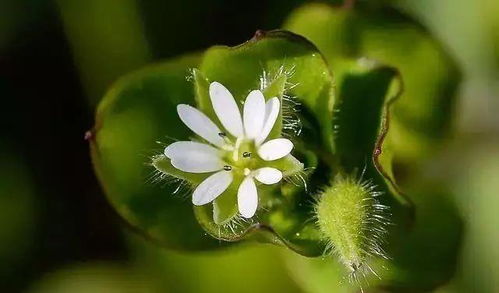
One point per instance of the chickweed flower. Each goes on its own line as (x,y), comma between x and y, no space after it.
(239,152)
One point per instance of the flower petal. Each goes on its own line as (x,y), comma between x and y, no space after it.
(275,149)
(268,175)
(194,157)
(254,114)
(226,109)
(200,124)
(211,188)
(188,148)
(247,198)
(272,108)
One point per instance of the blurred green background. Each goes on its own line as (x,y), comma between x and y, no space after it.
(57,58)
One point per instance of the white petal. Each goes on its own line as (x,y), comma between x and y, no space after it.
(254,114)
(275,149)
(200,124)
(189,148)
(226,109)
(268,175)
(211,188)
(272,108)
(247,198)
(194,157)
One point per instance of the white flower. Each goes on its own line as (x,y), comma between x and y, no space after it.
(235,154)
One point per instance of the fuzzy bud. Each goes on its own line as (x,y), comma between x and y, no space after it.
(352,221)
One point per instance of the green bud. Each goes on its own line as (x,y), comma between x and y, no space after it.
(352,222)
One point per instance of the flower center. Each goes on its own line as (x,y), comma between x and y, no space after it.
(241,157)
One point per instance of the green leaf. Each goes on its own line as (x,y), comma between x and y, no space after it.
(366,93)
(137,111)
(422,117)
(363,95)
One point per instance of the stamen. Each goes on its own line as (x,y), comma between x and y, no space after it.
(225,137)
(227,168)
(246,155)
(235,153)
(246,171)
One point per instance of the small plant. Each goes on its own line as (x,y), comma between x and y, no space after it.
(266,140)
(238,155)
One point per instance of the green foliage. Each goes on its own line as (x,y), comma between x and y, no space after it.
(413,126)
(136,112)
(140,108)
(341,128)
(422,116)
